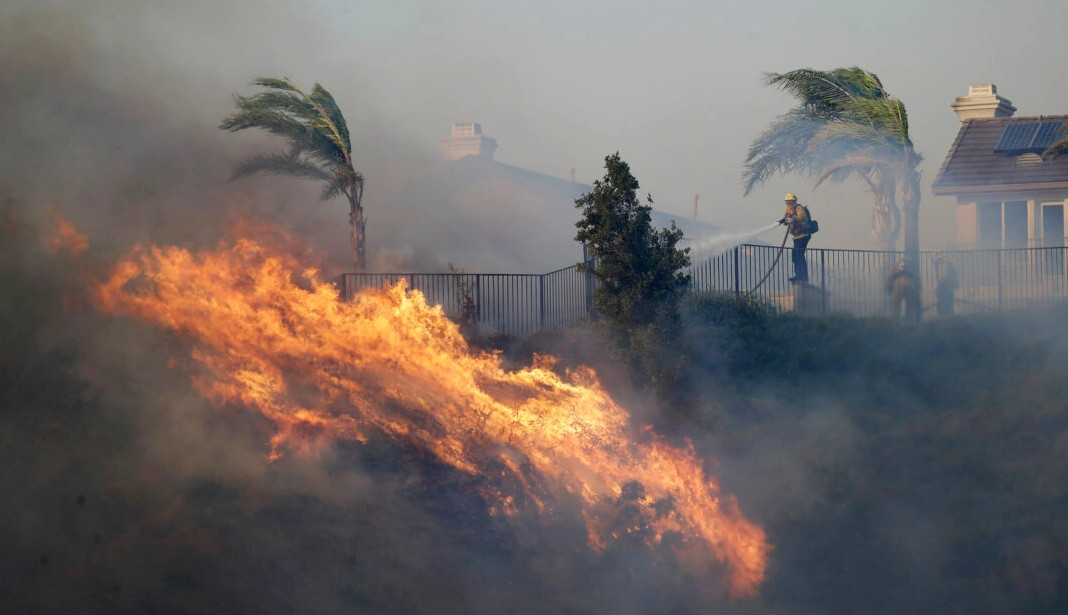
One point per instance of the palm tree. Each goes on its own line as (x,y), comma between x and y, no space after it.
(319,145)
(845,127)
(1058,147)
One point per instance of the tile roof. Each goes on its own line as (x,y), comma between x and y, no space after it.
(972,165)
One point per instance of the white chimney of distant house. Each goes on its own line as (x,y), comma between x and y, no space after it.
(982,101)
(467,140)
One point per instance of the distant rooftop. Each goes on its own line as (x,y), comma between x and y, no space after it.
(467,140)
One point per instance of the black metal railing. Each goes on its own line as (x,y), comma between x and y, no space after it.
(1010,244)
(518,304)
(843,281)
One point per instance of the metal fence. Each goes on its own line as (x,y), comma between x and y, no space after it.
(518,304)
(856,281)
(840,281)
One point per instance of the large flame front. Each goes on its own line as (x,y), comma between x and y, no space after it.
(320,368)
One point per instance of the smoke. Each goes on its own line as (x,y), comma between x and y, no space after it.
(871,452)
(126,491)
(123,104)
(891,474)
(718,244)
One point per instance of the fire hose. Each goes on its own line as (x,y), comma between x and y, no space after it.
(782,248)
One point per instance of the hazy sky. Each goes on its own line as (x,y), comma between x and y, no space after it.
(675,86)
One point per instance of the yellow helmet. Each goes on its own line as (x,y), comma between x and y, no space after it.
(790,196)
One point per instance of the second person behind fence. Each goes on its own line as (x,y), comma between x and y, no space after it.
(904,289)
(946,284)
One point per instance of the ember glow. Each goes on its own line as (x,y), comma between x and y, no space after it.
(65,237)
(268,336)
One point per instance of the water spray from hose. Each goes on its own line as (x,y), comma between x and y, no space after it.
(717,244)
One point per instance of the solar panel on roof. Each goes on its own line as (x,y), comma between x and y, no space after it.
(1034,135)
(1017,136)
(1048,133)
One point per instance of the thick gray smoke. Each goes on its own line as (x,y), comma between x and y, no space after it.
(126,492)
(112,117)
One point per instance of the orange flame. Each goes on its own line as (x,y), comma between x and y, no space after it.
(65,236)
(322,369)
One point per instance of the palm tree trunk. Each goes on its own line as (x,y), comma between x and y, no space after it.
(357,224)
(886,221)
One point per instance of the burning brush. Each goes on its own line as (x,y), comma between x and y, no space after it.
(281,344)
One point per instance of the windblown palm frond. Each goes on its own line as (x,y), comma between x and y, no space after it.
(780,149)
(319,144)
(845,137)
(1058,147)
(281,164)
(828,94)
(341,185)
(333,121)
(859,165)
(887,115)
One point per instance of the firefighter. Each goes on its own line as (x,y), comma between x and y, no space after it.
(946,285)
(799,225)
(904,288)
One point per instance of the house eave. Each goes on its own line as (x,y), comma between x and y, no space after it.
(951,190)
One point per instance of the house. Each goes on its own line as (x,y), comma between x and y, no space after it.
(1008,196)
(528,218)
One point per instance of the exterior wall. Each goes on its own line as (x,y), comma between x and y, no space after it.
(967,222)
(1034,219)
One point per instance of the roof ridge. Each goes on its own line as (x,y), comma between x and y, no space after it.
(965,127)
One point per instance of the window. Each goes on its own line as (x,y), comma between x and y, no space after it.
(1002,224)
(989,223)
(1015,224)
(1053,224)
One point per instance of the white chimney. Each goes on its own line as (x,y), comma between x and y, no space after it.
(467,140)
(982,101)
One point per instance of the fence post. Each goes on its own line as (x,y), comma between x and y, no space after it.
(478,298)
(737,272)
(588,281)
(342,286)
(823,281)
(541,301)
(1000,252)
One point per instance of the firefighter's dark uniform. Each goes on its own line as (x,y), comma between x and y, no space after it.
(799,223)
(904,288)
(946,285)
